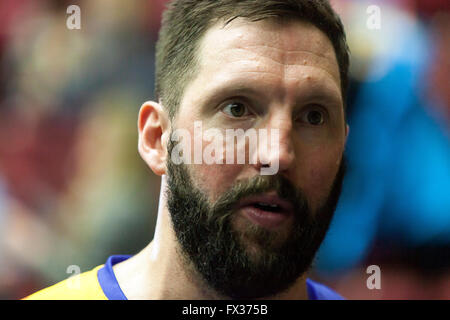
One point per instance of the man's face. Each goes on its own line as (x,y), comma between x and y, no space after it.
(260,75)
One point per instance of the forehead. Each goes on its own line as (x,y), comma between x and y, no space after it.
(287,57)
(283,41)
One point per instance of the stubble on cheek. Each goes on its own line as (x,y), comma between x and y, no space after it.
(213,180)
(320,181)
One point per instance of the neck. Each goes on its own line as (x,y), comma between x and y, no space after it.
(158,271)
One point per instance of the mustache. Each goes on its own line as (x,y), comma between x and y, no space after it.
(257,185)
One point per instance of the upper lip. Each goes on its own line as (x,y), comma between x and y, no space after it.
(271,199)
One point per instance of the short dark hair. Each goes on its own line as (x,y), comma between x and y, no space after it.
(186,21)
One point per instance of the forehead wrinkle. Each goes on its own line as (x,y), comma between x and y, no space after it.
(236,50)
(246,62)
(283,71)
(283,56)
(287,51)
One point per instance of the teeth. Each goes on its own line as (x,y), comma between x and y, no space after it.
(268,205)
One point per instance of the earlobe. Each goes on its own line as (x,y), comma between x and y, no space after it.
(152,125)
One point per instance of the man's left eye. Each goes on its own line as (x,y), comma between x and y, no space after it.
(236,109)
(313,117)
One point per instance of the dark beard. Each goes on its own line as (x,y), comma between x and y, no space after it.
(212,246)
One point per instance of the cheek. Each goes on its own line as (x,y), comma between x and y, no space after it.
(214,179)
(317,175)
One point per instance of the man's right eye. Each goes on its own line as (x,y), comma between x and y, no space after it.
(236,109)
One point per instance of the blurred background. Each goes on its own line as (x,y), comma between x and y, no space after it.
(73,189)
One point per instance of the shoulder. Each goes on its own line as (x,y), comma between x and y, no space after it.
(84,286)
(318,291)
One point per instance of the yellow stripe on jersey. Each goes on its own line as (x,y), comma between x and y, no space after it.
(84,286)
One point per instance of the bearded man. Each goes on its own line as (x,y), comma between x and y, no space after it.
(225,230)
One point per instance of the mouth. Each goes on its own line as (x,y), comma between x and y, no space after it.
(266,210)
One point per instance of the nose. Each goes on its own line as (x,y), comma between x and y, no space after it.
(275,152)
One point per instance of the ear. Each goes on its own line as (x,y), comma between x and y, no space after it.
(154,127)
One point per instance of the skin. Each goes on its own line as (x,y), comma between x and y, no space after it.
(282,71)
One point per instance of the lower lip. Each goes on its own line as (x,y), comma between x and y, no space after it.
(266,219)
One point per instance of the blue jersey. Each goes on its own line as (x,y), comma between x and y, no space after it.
(100,283)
